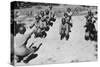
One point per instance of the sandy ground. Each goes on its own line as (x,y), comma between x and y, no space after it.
(76,49)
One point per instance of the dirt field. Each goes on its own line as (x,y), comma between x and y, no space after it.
(76,49)
(54,50)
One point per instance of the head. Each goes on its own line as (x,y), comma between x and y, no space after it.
(90,13)
(42,13)
(47,11)
(68,10)
(21,29)
(37,17)
(50,7)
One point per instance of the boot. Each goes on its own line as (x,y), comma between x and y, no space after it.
(67,37)
(20,58)
(32,56)
(62,37)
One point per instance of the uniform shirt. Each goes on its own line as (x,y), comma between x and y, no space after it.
(63,26)
(69,13)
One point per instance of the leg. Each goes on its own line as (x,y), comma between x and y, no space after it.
(67,36)
(20,58)
(62,36)
(87,36)
(32,56)
(50,23)
(95,37)
(44,34)
(47,28)
(69,28)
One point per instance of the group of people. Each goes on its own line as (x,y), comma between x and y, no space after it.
(66,24)
(43,21)
(91,32)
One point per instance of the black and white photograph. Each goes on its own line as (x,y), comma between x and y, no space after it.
(53,33)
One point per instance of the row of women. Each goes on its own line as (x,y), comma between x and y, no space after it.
(43,22)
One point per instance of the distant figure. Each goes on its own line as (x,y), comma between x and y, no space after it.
(65,26)
(50,7)
(91,33)
(62,29)
(68,19)
(47,12)
(39,28)
(70,13)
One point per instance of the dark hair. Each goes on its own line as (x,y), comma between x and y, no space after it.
(63,21)
(42,12)
(47,11)
(23,28)
(68,9)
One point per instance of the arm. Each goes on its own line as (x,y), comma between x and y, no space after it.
(36,49)
(28,36)
(60,29)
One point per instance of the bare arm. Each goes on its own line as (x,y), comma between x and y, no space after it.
(37,47)
(28,36)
